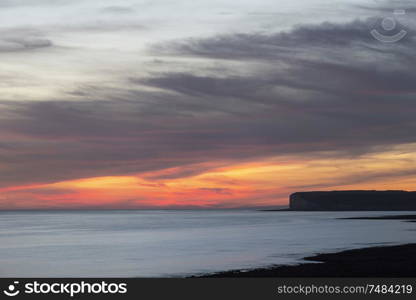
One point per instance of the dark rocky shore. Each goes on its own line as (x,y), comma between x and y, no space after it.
(409,218)
(388,261)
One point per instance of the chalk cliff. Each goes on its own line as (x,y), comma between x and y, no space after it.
(353,201)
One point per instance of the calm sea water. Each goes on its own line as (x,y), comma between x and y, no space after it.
(179,243)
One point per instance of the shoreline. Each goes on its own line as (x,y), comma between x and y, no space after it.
(405,218)
(379,261)
(376,261)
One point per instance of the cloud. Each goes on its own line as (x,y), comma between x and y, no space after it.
(305,40)
(222,191)
(16,40)
(118,10)
(19,3)
(316,88)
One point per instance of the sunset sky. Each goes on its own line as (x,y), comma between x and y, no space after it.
(201,103)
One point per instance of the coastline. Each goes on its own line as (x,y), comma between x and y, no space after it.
(381,261)
(405,218)
(378,261)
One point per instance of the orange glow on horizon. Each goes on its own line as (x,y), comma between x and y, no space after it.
(264,182)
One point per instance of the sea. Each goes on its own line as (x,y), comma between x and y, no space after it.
(173,243)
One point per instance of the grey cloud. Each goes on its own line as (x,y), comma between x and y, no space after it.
(205,85)
(99,25)
(337,41)
(118,10)
(389,6)
(330,94)
(25,38)
(330,60)
(222,191)
(260,46)
(22,3)
(22,39)
(62,140)
(356,179)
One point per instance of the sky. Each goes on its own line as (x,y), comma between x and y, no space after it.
(137,104)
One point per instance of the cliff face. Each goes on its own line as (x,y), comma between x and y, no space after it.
(353,201)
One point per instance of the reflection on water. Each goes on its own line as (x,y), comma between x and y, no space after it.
(177,243)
